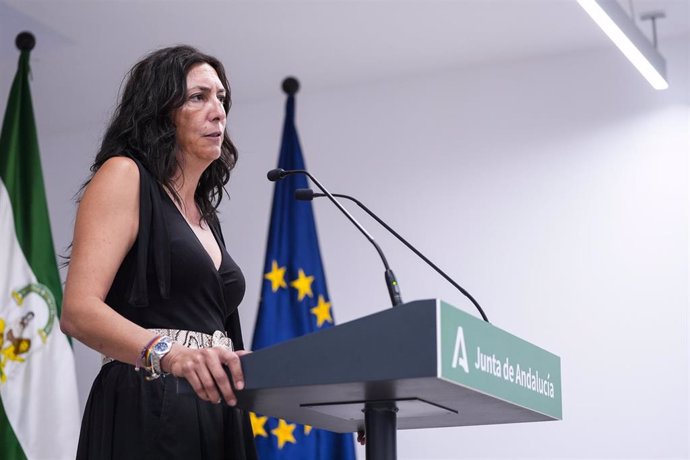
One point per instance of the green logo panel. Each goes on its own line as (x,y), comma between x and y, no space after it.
(485,358)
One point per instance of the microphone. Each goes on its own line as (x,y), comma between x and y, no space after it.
(307,194)
(276,174)
(391,283)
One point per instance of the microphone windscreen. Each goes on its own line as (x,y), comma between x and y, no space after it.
(304,194)
(275,174)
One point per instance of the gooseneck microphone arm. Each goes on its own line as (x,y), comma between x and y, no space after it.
(308,195)
(391,283)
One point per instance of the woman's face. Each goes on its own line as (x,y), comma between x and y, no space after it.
(200,122)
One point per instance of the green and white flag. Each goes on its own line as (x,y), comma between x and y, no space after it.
(39,409)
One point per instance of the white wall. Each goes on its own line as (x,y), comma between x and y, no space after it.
(555,191)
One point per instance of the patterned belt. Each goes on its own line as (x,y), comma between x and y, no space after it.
(190,339)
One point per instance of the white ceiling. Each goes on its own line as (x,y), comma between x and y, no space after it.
(91,44)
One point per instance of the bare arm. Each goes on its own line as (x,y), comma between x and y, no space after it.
(105,230)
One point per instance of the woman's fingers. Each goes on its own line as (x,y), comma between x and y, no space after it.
(197,386)
(192,365)
(221,378)
(232,360)
(203,368)
(205,371)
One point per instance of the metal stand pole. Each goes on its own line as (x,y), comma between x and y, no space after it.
(380,421)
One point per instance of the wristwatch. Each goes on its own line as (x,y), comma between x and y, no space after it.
(160,349)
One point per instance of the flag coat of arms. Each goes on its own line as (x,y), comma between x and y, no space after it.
(294,302)
(39,409)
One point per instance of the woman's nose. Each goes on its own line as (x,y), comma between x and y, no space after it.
(217,110)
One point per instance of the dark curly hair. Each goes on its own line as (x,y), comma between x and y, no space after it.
(142,124)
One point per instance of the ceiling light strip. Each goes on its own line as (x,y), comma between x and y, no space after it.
(629,39)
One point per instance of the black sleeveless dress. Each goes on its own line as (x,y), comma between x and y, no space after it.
(167,281)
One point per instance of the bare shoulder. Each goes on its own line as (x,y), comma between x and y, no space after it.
(118,169)
(117,180)
(111,200)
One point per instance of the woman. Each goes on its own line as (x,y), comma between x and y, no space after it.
(150,284)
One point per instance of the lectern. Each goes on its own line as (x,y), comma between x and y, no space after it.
(418,365)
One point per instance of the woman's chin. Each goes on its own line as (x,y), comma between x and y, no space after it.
(208,155)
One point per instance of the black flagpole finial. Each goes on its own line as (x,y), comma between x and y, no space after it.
(290,86)
(25,41)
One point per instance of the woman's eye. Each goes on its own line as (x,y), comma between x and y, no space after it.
(222,97)
(196,97)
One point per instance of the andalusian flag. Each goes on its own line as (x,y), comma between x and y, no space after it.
(39,409)
(294,302)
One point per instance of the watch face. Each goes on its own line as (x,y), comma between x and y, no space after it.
(161,347)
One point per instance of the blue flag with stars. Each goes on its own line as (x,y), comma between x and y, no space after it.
(294,302)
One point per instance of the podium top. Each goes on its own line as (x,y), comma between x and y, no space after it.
(442,366)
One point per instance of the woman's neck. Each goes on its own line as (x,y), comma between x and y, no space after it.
(184,184)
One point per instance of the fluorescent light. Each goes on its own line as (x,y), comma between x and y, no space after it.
(629,39)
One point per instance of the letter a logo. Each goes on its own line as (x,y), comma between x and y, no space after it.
(459,360)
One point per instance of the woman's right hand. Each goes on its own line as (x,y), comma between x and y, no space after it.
(204,369)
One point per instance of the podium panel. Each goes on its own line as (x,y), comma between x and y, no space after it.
(439,365)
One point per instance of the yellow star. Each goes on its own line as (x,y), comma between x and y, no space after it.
(276,276)
(284,433)
(258,425)
(322,312)
(303,285)
(307,429)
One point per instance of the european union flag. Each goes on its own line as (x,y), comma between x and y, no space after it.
(294,301)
